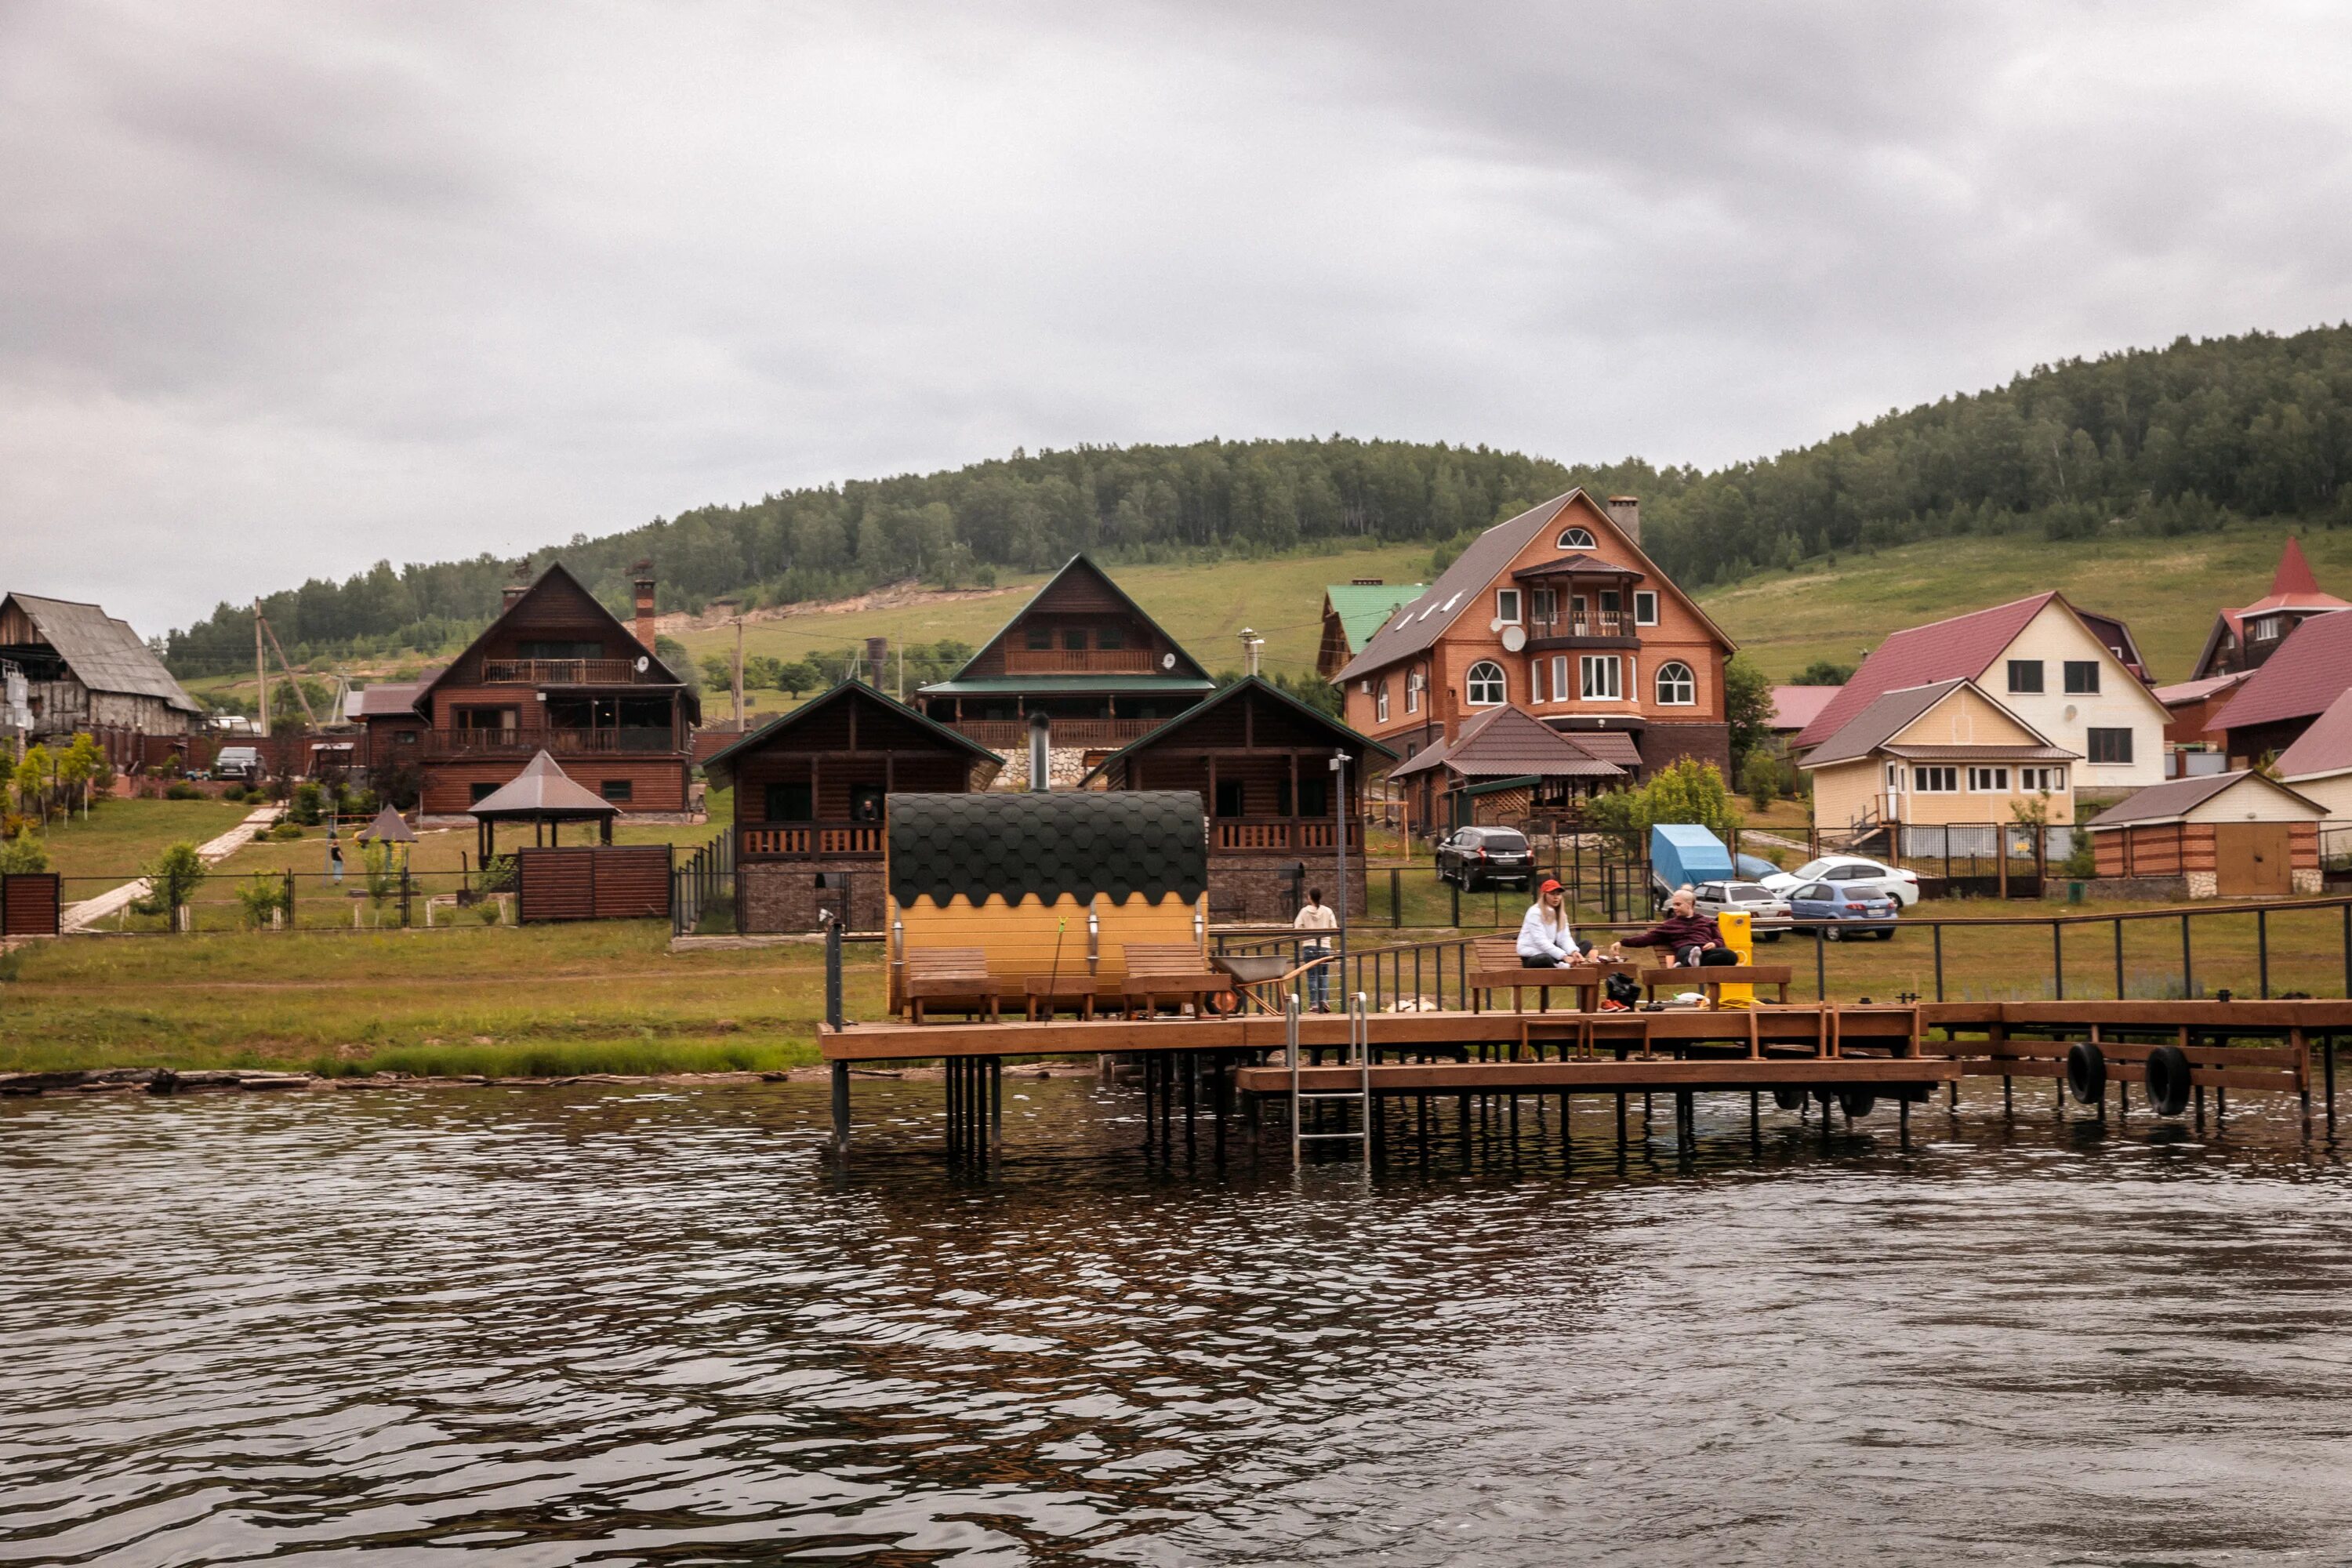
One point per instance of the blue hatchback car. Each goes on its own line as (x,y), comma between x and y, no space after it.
(1858,909)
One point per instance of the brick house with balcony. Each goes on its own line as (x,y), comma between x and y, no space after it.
(1260,761)
(556,672)
(812,796)
(1084,655)
(1559,613)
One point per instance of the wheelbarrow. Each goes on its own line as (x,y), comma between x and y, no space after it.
(1262,978)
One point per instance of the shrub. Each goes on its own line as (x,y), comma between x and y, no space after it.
(22,852)
(181,789)
(376,873)
(1759,779)
(286,832)
(310,803)
(235,792)
(1685,792)
(2081,862)
(487,912)
(173,877)
(260,896)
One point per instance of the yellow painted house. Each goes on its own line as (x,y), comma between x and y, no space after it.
(1938,754)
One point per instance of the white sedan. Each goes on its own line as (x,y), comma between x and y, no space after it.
(1902,885)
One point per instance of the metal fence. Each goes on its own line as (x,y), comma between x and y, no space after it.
(284,900)
(702,887)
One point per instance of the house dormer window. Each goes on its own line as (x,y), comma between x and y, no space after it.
(1576,539)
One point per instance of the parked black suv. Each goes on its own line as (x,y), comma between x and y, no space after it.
(1485,856)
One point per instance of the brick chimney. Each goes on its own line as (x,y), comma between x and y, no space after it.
(1625,511)
(642,574)
(518,585)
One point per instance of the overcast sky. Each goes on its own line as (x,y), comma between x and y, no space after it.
(286,288)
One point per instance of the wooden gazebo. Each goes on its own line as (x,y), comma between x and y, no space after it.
(544,797)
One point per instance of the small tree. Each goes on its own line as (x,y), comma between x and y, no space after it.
(796,678)
(32,782)
(376,872)
(1747,707)
(310,803)
(261,895)
(23,852)
(1822,672)
(78,768)
(2081,862)
(172,879)
(1759,779)
(1684,792)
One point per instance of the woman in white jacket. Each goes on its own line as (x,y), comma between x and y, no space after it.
(1545,940)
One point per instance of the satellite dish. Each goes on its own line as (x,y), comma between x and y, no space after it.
(2070,712)
(643,664)
(1497,624)
(1514,638)
(1167,661)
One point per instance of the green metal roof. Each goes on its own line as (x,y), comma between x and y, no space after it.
(1081,684)
(1363,607)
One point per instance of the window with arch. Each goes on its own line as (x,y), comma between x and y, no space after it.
(1678,687)
(1380,704)
(1576,539)
(1484,685)
(1413,692)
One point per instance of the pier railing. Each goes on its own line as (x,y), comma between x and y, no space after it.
(2296,947)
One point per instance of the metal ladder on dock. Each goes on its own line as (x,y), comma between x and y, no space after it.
(1360,1056)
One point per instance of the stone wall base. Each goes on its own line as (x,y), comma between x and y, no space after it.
(1066,766)
(2306,880)
(783,896)
(2203,884)
(1263,892)
(2165,888)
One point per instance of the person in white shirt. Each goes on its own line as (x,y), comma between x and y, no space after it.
(1545,940)
(1317,915)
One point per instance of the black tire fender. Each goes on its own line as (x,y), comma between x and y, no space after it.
(1856,1102)
(2086,1073)
(2167,1080)
(1788,1098)
(1831,933)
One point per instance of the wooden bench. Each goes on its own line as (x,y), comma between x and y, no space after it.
(1710,979)
(1175,970)
(949,974)
(1057,991)
(1495,965)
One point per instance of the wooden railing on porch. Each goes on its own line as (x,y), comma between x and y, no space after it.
(1245,834)
(807,840)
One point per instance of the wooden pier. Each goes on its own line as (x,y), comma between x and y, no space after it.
(1853,1055)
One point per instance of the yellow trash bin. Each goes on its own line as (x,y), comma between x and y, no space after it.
(1740,939)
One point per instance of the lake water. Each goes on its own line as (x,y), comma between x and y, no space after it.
(628,1324)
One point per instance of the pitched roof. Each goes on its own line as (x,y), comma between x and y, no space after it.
(1048,842)
(1578,562)
(384,697)
(2175,798)
(558,575)
(2301,677)
(2292,587)
(2181,693)
(103,653)
(388,827)
(1506,743)
(1006,685)
(1363,607)
(1794,706)
(1960,647)
(1356,743)
(544,791)
(2325,748)
(1616,746)
(1879,721)
(1185,662)
(1427,618)
(719,765)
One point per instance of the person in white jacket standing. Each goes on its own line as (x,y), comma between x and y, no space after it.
(1545,940)
(1317,916)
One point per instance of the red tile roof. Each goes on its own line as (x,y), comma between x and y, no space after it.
(2302,677)
(1960,648)
(2175,798)
(1794,706)
(2187,692)
(2325,748)
(1505,744)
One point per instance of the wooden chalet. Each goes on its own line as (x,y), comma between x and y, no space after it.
(1261,761)
(555,672)
(811,794)
(1084,655)
(67,669)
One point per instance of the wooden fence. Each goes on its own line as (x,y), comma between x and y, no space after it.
(601,882)
(29,903)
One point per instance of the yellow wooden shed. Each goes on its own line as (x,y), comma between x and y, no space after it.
(1045,883)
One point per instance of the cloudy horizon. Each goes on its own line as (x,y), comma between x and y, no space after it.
(296,288)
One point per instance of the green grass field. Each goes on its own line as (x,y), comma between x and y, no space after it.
(123,835)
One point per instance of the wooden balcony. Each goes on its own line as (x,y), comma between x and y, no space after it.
(559,672)
(1091,735)
(1277,835)
(809,841)
(1595,629)
(1080,661)
(451,745)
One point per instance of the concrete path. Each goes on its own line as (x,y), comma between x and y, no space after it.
(89,911)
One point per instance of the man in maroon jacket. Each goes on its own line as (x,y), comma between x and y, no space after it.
(1689,938)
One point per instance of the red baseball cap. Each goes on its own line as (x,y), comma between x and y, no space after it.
(1550,885)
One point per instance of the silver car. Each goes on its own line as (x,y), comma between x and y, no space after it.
(1768,911)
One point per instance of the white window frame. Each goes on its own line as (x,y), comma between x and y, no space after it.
(1689,684)
(1471,681)
(1935,778)
(1592,665)
(1646,607)
(2034,781)
(1380,704)
(1534,682)
(1412,691)
(1507,606)
(1987,779)
(1578,538)
(1560,677)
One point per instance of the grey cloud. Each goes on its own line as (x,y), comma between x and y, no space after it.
(293,286)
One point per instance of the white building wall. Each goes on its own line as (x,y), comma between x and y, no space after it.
(2055,636)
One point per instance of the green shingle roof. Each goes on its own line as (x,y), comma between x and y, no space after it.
(1079,842)
(1362,608)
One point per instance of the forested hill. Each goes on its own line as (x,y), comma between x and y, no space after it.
(2151,442)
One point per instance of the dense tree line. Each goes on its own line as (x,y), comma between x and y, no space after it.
(2155,441)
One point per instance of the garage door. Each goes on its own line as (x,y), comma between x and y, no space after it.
(2254,859)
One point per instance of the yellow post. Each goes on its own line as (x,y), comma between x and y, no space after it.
(1740,941)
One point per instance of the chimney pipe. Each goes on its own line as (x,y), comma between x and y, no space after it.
(1250,642)
(877,656)
(1625,511)
(1041,754)
(643,574)
(518,585)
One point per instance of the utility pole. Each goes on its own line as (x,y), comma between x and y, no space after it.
(261,669)
(900,692)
